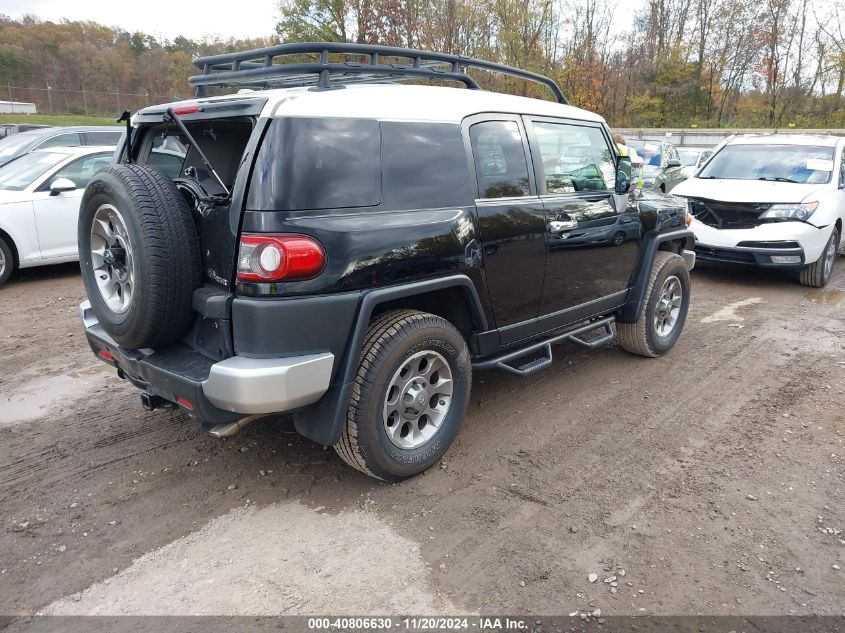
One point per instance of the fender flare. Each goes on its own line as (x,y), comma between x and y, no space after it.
(630,311)
(323,421)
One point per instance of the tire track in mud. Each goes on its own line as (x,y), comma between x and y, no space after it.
(85,441)
(597,464)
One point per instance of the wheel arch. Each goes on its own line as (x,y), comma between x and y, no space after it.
(672,241)
(323,421)
(16,260)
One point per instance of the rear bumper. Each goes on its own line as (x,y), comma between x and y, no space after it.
(215,392)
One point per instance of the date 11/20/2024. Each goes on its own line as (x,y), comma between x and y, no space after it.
(421,623)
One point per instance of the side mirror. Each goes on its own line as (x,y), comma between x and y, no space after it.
(624,183)
(60,185)
(673,162)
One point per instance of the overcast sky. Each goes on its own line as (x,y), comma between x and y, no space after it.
(162,18)
(193,19)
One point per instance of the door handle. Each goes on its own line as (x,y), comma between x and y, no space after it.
(561,226)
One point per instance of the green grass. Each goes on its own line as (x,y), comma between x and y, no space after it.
(56,119)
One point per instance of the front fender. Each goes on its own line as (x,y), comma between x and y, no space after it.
(830,208)
(630,312)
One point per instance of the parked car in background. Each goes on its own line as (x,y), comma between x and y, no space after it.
(7,129)
(692,159)
(661,164)
(39,205)
(83,135)
(774,201)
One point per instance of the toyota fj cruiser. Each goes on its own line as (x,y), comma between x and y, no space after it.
(331,243)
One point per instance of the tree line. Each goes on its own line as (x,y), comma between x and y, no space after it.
(708,63)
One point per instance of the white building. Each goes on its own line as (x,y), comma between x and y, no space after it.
(16,107)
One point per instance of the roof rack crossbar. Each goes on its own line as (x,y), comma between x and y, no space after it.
(256,67)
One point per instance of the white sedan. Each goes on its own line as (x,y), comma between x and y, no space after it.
(39,205)
(773,201)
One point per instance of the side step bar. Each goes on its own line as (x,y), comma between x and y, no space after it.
(539,364)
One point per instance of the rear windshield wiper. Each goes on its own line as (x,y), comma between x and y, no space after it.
(776,179)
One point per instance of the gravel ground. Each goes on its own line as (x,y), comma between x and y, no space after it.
(709,481)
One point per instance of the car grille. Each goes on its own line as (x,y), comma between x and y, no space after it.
(724,255)
(727,215)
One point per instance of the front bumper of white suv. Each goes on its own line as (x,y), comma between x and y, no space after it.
(777,244)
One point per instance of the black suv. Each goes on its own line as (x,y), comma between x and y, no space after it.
(331,243)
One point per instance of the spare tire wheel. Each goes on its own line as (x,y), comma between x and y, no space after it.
(139,253)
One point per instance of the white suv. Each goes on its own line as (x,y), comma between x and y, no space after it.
(774,201)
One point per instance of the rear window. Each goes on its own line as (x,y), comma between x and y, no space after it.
(425,166)
(104,138)
(322,163)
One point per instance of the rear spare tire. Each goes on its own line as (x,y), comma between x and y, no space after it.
(139,254)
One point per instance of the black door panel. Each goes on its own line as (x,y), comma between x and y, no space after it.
(511,222)
(591,247)
(592,260)
(513,232)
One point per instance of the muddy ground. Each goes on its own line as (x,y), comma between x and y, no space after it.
(713,477)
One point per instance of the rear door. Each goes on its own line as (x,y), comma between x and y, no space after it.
(592,247)
(511,222)
(56,216)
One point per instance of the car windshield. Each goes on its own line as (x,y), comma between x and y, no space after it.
(649,152)
(23,171)
(688,156)
(778,163)
(11,145)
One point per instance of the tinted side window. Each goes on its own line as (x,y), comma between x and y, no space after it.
(317,164)
(103,138)
(425,166)
(575,157)
(62,140)
(500,163)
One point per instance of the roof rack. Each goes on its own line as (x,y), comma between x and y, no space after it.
(256,67)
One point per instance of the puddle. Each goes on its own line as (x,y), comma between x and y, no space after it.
(826,297)
(35,399)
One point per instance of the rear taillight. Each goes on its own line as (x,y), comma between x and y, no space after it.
(279,257)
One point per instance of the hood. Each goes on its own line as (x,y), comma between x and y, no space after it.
(732,190)
(8,196)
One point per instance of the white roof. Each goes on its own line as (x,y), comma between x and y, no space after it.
(786,139)
(401,102)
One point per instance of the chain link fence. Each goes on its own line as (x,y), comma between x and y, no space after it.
(51,100)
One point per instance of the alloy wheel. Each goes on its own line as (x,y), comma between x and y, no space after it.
(112,259)
(668,306)
(418,399)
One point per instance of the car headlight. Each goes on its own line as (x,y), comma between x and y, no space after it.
(800,211)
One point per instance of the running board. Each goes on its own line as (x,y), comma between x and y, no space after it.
(544,361)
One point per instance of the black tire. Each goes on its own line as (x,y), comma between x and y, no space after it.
(642,337)
(618,238)
(392,339)
(817,274)
(165,254)
(7,261)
